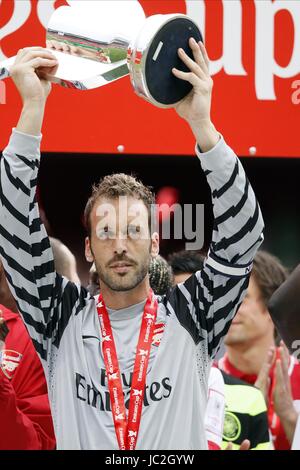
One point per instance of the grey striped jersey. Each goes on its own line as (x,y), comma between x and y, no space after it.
(62,320)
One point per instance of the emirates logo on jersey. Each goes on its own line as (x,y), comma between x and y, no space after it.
(9,361)
(158,333)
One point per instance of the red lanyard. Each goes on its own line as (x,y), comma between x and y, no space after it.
(127,431)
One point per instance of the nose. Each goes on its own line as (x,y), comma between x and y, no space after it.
(120,245)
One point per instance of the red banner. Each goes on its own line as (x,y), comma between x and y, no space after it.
(254,47)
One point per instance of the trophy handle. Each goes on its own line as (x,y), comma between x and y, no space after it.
(68,73)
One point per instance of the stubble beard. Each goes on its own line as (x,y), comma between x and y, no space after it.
(118,282)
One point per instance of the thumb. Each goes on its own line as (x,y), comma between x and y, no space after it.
(245,445)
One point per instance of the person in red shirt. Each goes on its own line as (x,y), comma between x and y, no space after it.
(251,349)
(25,416)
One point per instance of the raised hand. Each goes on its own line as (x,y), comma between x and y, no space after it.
(27,73)
(195,107)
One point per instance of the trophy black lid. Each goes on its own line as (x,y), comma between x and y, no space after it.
(162,56)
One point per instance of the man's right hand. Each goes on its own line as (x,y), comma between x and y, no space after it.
(27,71)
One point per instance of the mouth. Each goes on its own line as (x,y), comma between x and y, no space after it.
(121,267)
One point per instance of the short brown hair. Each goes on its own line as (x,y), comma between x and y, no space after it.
(269,274)
(114,186)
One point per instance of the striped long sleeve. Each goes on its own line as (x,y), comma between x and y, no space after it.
(45,299)
(207,302)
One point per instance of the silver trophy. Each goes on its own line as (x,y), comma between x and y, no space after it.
(98,42)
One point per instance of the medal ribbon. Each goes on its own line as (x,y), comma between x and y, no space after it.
(127,430)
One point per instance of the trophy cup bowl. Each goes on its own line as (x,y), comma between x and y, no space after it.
(98,42)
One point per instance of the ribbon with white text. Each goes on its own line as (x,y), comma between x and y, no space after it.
(127,429)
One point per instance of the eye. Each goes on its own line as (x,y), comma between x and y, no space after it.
(134,231)
(104,233)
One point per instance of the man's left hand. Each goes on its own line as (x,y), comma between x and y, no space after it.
(195,107)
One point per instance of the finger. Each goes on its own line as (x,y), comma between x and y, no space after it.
(20,53)
(271,355)
(33,49)
(45,72)
(190,77)
(204,54)
(285,352)
(279,381)
(43,53)
(284,355)
(40,62)
(191,64)
(23,52)
(198,56)
(245,445)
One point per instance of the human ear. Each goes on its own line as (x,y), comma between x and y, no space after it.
(88,251)
(154,244)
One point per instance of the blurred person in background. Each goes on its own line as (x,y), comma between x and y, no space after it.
(252,355)
(64,260)
(184,263)
(284,308)
(246,420)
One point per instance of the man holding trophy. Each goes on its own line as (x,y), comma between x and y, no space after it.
(110,384)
